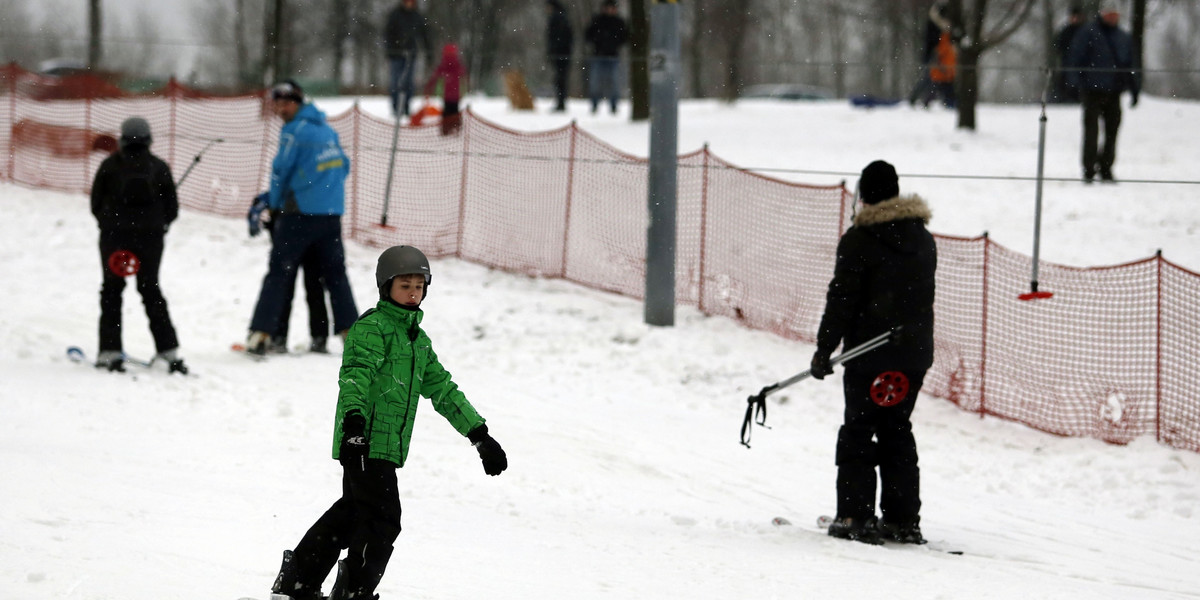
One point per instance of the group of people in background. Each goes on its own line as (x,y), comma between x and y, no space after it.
(607,33)
(407,37)
(1093,64)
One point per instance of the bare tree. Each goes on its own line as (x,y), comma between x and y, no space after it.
(976,40)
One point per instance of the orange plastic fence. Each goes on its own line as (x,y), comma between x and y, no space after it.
(1111,355)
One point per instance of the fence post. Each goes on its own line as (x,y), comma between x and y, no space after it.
(566,237)
(1158,347)
(12,119)
(87,128)
(462,184)
(987,253)
(174,96)
(355,170)
(703,227)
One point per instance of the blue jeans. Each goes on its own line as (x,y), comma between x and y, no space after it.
(294,235)
(602,80)
(401,82)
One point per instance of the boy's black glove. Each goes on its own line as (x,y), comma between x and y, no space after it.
(494,459)
(820,365)
(353,451)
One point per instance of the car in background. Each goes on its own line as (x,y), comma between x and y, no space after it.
(788,91)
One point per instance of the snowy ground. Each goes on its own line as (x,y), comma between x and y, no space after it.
(626,478)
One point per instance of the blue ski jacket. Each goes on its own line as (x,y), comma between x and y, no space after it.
(309,172)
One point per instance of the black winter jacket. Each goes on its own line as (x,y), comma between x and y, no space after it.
(406,33)
(559,38)
(1108,52)
(607,34)
(884,277)
(134,165)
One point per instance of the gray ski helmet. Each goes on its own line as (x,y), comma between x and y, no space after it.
(400,260)
(135,130)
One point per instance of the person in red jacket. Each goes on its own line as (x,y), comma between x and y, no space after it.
(450,70)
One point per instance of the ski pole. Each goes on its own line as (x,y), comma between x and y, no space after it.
(196,160)
(756,405)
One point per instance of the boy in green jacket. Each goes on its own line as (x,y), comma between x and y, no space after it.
(387,365)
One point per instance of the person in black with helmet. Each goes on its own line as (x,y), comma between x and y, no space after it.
(883,279)
(133,200)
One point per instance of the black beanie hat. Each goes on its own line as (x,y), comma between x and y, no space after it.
(878,183)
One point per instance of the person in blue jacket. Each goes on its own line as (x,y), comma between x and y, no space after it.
(1103,65)
(307,194)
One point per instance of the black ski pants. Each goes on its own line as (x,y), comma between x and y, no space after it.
(873,435)
(295,235)
(365,521)
(314,296)
(1098,105)
(148,247)
(561,66)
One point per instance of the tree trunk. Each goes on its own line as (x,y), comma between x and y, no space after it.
(695,50)
(967,86)
(94,32)
(341,10)
(639,56)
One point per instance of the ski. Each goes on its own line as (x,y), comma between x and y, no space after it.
(824,521)
(76,354)
(240,348)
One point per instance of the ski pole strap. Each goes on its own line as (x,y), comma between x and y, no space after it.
(756,413)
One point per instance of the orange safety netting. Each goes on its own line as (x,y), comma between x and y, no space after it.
(1109,356)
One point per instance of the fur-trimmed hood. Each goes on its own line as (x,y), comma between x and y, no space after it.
(895,209)
(898,223)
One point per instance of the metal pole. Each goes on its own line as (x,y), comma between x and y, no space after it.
(1037,218)
(664,125)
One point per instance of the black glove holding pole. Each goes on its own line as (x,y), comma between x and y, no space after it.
(490,452)
(354,449)
(820,366)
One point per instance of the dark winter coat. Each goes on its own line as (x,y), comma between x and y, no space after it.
(406,33)
(560,40)
(884,277)
(387,365)
(606,34)
(135,168)
(1109,50)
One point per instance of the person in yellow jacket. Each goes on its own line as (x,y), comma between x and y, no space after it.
(388,363)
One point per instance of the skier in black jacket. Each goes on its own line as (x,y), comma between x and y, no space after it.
(133,200)
(883,279)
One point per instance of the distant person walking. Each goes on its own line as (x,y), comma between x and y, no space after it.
(406,34)
(938,59)
(1102,66)
(134,202)
(606,33)
(1063,92)
(560,41)
(307,193)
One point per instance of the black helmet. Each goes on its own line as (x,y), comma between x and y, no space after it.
(400,260)
(135,130)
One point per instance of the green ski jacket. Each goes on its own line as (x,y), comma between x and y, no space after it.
(387,365)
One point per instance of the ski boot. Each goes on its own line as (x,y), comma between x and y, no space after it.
(319,345)
(173,360)
(287,584)
(112,360)
(864,530)
(256,344)
(905,531)
(277,345)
